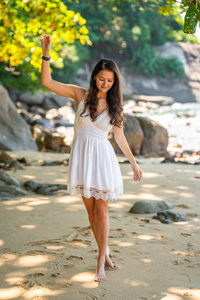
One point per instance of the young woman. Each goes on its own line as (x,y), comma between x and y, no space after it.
(94,171)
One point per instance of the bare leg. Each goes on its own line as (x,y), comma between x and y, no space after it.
(102,231)
(90,204)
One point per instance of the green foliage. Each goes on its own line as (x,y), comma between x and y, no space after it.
(21,25)
(127,30)
(147,61)
(75,57)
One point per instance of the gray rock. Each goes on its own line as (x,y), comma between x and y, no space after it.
(170,49)
(156,138)
(9,186)
(149,206)
(10,191)
(27,116)
(15,133)
(30,98)
(46,124)
(55,101)
(21,105)
(44,189)
(64,123)
(169,217)
(133,133)
(8,179)
(63,162)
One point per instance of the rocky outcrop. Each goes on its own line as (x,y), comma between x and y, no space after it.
(52,140)
(133,133)
(9,186)
(149,206)
(155,140)
(145,137)
(15,132)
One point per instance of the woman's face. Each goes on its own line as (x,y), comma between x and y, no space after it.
(104,80)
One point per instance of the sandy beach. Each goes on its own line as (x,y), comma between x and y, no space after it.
(47,250)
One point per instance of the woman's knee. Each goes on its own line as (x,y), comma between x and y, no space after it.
(101,213)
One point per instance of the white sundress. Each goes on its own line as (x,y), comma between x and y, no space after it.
(93,168)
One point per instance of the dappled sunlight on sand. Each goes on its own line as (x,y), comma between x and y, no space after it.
(121,243)
(182,187)
(40,291)
(148,237)
(84,277)
(32,293)
(31,260)
(57,247)
(38,202)
(127,197)
(135,282)
(29,177)
(169,191)
(22,208)
(6,258)
(148,196)
(186,195)
(10,293)
(176,292)
(151,175)
(78,244)
(47,249)
(149,185)
(60,181)
(67,199)
(146,260)
(28,226)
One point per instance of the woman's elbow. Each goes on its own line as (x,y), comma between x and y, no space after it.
(44,83)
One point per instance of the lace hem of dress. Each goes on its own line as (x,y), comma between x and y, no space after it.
(96,193)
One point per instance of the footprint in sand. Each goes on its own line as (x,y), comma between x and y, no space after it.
(61,282)
(45,242)
(74,257)
(182,206)
(86,296)
(36,252)
(55,265)
(185,234)
(192,215)
(29,283)
(84,231)
(55,274)
(35,275)
(178,262)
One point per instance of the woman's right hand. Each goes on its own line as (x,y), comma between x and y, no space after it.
(46,44)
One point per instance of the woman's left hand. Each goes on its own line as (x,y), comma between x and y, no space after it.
(137,172)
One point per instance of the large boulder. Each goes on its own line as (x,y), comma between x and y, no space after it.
(30,99)
(144,136)
(155,140)
(9,186)
(133,133)
(15,133)
(55,140)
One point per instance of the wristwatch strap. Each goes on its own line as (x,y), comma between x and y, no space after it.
(45,57)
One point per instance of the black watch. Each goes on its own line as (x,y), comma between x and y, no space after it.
(45,57)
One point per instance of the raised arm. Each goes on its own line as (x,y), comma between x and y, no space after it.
(67,90)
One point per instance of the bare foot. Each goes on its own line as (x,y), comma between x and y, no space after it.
(108,262)
(100,273)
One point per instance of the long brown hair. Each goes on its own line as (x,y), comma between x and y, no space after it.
(114,94)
